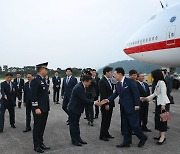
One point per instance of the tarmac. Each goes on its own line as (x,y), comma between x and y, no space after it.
(14,141)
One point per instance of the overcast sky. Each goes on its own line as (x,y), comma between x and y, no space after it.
(70,33)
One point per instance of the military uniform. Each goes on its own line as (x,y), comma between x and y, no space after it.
(40,100)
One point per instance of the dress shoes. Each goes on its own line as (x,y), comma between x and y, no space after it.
(39,150)
(27,130)
(142,142)
(82,142)
(76,143)
(45,147)
(157,138)
(13,126)
(110,136)
(161,143)
(123,145)
(146,130)
(104,138)
(1,131)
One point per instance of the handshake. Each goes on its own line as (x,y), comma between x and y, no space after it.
(98,103)
(144,99)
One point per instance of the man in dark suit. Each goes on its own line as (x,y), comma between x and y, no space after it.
(19,82)
(127,90)
(96,83)
(8,92)
(40,107)
(76,107)
(105,90)
(144,107)
(27,102)
(68,84)
(56,80)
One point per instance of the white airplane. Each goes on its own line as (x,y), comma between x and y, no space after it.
(158,41)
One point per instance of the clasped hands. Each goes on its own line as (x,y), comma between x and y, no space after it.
(144,99)
(100,103)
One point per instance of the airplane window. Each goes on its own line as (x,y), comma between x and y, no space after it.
(146,39)
(156,37)
(152,38)
(143,40)
(149,39)
(138,41)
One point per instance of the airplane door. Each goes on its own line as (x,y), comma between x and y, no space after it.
(171,35)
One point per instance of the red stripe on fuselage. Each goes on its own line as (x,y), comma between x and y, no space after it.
(168,44)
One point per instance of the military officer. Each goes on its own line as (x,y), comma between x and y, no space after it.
(40,107)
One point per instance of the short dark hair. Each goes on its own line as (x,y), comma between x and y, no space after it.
(120,70)
(56,72)
(131,72)
(93,69)
(9,74)
(107,69)
(18,73)
(30,74)
(139,73)
(86,78)
(69,69)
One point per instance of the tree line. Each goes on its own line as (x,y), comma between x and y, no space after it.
(32,69)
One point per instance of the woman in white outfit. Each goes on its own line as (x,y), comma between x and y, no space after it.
(160,93)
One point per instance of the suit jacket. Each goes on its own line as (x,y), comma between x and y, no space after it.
(67,88)
(78,99)
(27,93)
(96,85)
(129,96)
(20,86)
(142,92)
(40,94)
(56,82)
(161,93)
(105,90)
(5,90)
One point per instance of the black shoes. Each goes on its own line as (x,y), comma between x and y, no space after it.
(1,131)
(146,130)
(161,143)
(13,126)
(104,138)
(157,138)
(27,130)
(39,150)
(110,136)
(45,147)
(76,143)
(123,145)
(142,142)
(82,142)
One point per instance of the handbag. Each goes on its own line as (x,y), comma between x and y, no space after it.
(165,116)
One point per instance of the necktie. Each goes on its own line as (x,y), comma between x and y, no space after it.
(29,85)
(120,87)
(10,85)
(67,81)
(109,80)
(143,87)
